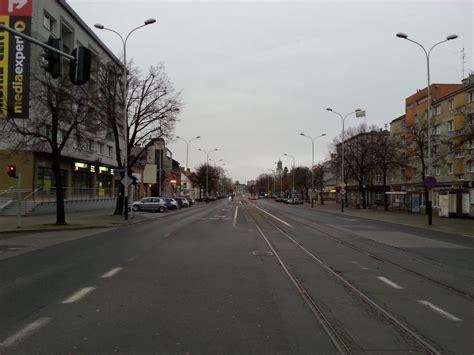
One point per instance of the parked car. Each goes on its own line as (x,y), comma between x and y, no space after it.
(173,204)
(191,200)
(182,202)
(155,204)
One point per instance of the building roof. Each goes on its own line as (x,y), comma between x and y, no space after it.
(86,28)
(398,119)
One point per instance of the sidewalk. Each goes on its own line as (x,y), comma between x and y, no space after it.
(77,220)
(448,225)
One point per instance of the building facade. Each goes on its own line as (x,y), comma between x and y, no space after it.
(452,149)
(88,160)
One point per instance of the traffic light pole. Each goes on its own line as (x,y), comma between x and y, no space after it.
(18,196)
(37,42)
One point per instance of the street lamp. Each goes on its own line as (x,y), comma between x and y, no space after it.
(124,98)
(187,153)
(207,167)
(312,139)
(293,188)
(428,173)
(343,118)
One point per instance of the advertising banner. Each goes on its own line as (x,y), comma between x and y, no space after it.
(15,59)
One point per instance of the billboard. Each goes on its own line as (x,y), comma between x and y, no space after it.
(15,59)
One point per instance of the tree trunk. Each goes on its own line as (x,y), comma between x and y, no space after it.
(364,201)
(385,196)
(120,200)
(60,211)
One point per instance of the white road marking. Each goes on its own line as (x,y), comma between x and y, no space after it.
(78,295)
(469,235)
(219,216)
(278,219)
(361,266)
(111,273)
(440,311)
(347,219)
(235,215)
(27,330)
(132,258)
(390,283)
(240,202)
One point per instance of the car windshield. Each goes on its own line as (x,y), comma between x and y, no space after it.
(236,177)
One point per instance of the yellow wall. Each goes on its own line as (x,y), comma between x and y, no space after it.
(458,166)
(459,121)
(460,100)
(24,165)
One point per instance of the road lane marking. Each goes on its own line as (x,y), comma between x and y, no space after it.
(440,311)
(132,258)
(361,266)
(389,282)
(235,215)
(469,235)
(26,331)
(78,295)
(278,219)
(347,219)
(111,273)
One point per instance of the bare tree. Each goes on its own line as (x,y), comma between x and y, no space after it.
(152,106)
(60,112)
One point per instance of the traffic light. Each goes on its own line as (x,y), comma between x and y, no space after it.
(80,67)
(11,170)
(54,64)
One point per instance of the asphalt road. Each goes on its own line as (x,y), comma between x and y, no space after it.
(242,278)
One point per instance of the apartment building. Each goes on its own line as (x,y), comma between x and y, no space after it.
(451,150)
(88,161)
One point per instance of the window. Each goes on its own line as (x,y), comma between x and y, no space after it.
(89,145)
(436,111)
(450,146)
(48,22)
(450,168)
(109,151)
(471,166)
(435,149)
(450,105)
(470,96)
(437,129)
(437,170)
(460,177)
(378,196)
(100,148)
(378,178)
(470,145)
(450,125)
(459,154)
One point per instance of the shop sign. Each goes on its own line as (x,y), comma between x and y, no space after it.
(81,166)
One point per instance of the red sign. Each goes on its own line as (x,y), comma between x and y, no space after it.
(16,7)
(173,181)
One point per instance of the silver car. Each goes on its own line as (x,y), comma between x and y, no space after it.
(155,204)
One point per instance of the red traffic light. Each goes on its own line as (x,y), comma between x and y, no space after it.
(11,170)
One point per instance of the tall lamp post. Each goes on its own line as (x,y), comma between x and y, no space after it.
(343,118)
(124,98)
(293,185)
(429,206)
(187,153)
(207,152)
(312,139)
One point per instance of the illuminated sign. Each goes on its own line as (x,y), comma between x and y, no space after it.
(15,59)
(173,181)
(78,166)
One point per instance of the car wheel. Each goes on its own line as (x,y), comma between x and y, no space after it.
(136,208)
(161,209)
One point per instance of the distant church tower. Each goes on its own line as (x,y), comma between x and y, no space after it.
(279,169)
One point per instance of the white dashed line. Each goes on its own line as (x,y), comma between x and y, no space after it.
(132,258)
(27,330)
(361,266)
(390,283)
(235,215)
(440,311)
(78,295)
(111,273)
(469,235)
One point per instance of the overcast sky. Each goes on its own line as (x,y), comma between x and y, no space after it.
(254,74)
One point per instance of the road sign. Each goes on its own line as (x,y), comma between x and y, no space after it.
(343,191)
(343,185)
(430,182)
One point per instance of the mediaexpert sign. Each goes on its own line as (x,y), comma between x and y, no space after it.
(15,59)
